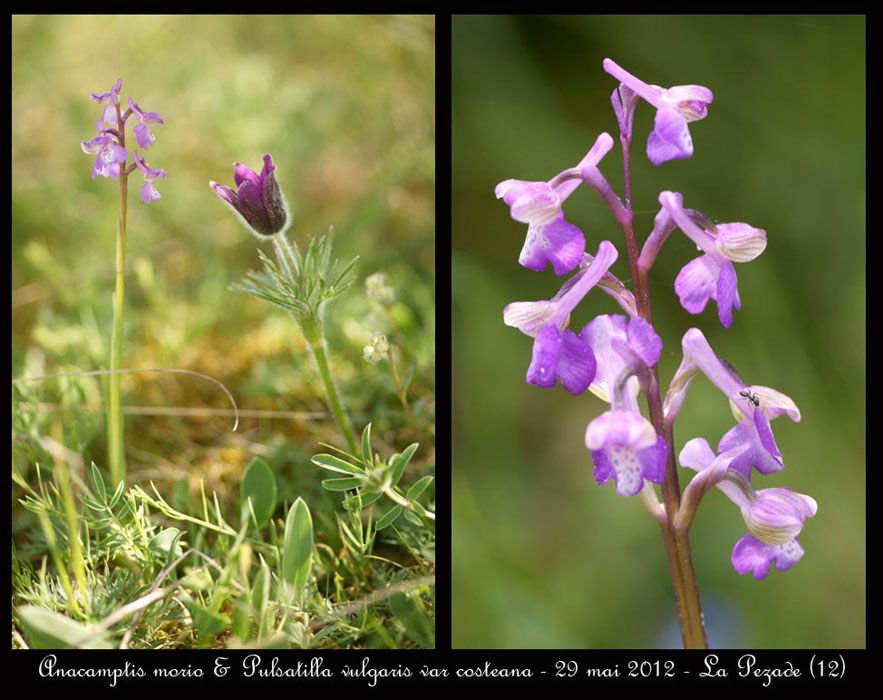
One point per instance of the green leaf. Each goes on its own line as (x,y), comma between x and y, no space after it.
(367,457)
(297,547)
(165,544)
(412,517)
(46,629)
(92,505)
(100,524)
(259,485)
(336,464)
(399,462)
(241,621)
(409,610)
(260,594)
(418,487)
(362,500)
(389,517)
(342,484)
(97,483)
(118,494)
(181,495)
(207,622)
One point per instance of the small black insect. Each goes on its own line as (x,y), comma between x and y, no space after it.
(751,397)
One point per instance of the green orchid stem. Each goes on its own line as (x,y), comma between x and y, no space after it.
(312,329)
(115,455)
(675,540)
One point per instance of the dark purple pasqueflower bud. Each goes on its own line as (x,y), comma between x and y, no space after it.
(259,201)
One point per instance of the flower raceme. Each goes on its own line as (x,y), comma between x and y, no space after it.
(109,146)
(259,202)
(615,356)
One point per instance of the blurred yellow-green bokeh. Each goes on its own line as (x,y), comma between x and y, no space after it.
(346,107)
(542,556)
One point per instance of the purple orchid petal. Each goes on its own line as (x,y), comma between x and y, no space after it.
(624,446)
(558,242)
(561,355)
(144,135)
(750,554)
(670,139)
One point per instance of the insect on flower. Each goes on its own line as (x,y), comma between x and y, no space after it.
(751,397)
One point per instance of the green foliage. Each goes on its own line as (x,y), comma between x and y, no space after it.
(301,283)
(46,629)
(273,600)
(297,548)
(410,611)
(374,478)
(258,493)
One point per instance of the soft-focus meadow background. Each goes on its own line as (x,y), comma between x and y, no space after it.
(542,556)
(346,107)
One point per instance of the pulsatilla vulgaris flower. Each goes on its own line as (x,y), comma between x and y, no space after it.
(259,202)
(149,193)
(625,447)
(675,106)
(550,239)
(774,517)
(712,275)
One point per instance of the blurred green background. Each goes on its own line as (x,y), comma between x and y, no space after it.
(542,556)
(346,107)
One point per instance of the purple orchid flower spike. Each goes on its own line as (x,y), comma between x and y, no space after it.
(670,139)
(109,148)
(259,202)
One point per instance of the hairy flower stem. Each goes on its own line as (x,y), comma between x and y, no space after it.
(677,546)
(116,457)
(312,329)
